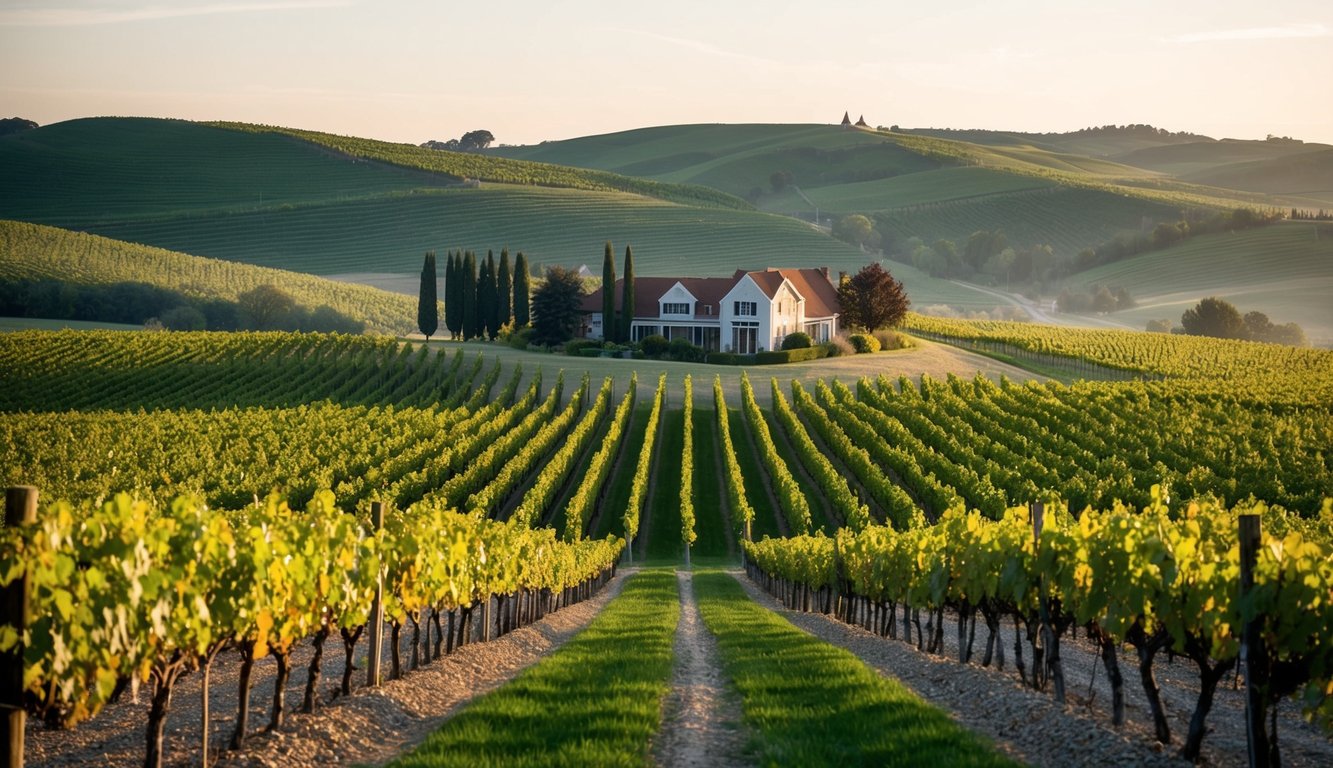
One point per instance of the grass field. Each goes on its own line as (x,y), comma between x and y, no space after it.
(1284,271)
(589,703)
(812,704)
(35,252)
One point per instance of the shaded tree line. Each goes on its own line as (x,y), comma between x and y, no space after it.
(482,297)
(470,142)
(265,307)
(1220,319)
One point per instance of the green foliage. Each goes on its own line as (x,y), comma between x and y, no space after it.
(556,307)
(504,291)
(627,299)
(844,502)
(687,533)
(428,310)
(863,343)
(642,469)
(610,327)
(795,507)
(1213,317)
(654,345)
(522,291)
(579,508)
(469,285)
(34,252)
(797,340)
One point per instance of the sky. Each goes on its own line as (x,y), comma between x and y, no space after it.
(403,70)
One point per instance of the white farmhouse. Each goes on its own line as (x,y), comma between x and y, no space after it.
(746,313)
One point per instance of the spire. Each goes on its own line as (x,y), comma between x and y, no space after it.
(846,120)
(861,123)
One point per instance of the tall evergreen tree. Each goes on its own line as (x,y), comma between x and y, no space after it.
(522,290)
(453,295)
(555,307)
(469,290)
(610,331)
(491,305)
(504,289)
(627,302)
(485,295)
(428,310)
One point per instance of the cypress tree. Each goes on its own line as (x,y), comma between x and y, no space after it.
(504,289)
(627,302)
(491,305)
(522,290)
(453,295)
(484,293)
(610,332)
(428,310)
(469,302)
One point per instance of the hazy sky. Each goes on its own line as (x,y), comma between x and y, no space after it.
(404,70)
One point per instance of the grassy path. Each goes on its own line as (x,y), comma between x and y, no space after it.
(811,704)
(590,703)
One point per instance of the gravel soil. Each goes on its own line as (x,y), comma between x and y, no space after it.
(1030,726)
(702,721)
(371,726)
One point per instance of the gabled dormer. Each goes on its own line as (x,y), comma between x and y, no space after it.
(677,303)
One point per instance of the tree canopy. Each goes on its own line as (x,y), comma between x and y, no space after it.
(428,310)
(556,305)
(872,299)
(1213,317)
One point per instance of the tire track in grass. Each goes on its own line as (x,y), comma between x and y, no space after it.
(811,704)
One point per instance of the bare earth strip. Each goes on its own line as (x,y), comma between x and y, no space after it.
(702,724)
(1030,726)
(371,726)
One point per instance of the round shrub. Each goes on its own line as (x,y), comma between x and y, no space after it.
(654,345)
(797,340)
(685,351)
(863,343)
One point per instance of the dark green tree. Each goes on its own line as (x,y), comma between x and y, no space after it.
(453,295)
(486,309)
(872,299)
(428,309)
(1213,317)
(627,297)
(504,289)
(522,290)
(556,306)
(610,331)
(265,307)
(469,301)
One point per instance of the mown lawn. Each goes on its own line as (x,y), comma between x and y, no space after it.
(595,702)
(809,703)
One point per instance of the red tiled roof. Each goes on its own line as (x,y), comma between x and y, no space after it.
(821,299)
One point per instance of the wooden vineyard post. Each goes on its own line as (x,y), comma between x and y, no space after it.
(20,509)
(375,623)
(1252,650)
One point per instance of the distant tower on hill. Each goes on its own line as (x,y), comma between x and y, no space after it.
(861,123)
(846,120)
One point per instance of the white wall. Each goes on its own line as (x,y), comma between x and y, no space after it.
(747,290)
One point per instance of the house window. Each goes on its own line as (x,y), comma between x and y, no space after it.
(746,309)
(669,308)
(744,337)
(708,310)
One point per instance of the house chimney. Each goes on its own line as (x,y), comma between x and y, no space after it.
(824,271)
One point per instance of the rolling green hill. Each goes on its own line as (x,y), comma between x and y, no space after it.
(925,183)
(1284,271)
(270,199)
(36,252)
